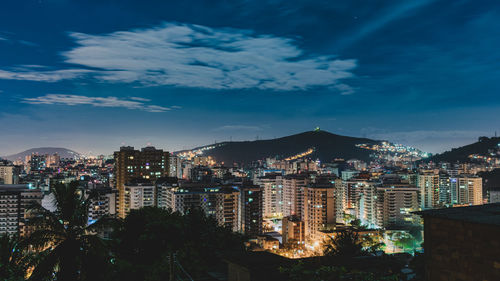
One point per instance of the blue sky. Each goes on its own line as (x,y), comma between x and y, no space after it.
(93,75)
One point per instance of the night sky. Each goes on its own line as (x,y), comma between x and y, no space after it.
(93,75)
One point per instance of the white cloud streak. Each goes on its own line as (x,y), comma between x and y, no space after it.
(72,100)
(43,76)
(196,56)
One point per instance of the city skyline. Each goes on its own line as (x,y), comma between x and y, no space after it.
(180,75)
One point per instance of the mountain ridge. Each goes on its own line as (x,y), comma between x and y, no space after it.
(327,146)
(461,154)
(61,151)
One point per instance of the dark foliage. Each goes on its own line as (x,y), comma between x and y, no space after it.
(67,248)
(150,237)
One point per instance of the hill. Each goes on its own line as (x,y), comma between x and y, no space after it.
(491,179)
(482,147)
(321,145)
(62,152)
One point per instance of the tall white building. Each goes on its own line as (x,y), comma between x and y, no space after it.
(358,196)
(428,184)
(175,166)
(272,185)
(293,194)
(466,190)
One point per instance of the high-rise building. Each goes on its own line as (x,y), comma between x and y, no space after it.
(272,185)
(52,161)
(251,209)
(221,202)
(227,208)
(428,183)
(149,163)
(396,204)
(14,200)
(444,189)
(466,190)
(359,200)
(35,162)
(293,193)
(9,174)
(319,209)
(175,166)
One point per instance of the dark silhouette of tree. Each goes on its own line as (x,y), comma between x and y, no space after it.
(12,259)
(347,243)
(68,248)
(300,271)
(151,237)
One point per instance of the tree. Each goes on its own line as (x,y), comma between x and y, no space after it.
(300,271)
(350,243)
(69,248)
(152,237)
(346,243)
(12,263)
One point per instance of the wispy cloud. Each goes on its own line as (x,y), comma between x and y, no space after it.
(32,74)
(400,10)
(72,100)
(196,56)
(237,128)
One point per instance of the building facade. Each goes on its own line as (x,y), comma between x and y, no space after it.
(149,164)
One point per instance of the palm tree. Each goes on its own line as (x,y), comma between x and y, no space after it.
(69,248)
(12,264)
(346,243)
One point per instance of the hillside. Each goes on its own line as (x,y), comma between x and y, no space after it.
(491,179)
(62,152)
(327,146)
(461,154)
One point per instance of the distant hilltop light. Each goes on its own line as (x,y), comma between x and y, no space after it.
(317,129)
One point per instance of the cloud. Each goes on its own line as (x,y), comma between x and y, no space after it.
(73,100)
(196,56)
(398,11)
(344,89)
(32,74)
(237,128)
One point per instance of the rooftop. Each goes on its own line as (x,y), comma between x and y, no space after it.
(483,214)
